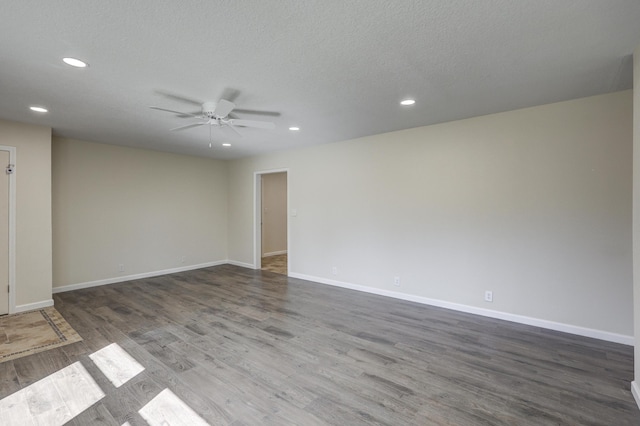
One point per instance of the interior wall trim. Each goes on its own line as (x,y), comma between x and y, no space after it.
(635,390)
(241,264)
(274,253)
(12,230)
(257,217)
(521,319)
(33,306)
(114,280)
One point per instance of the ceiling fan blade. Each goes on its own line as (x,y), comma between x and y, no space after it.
(251,123)
(179,98)
(188,126)
(223,108)
(179,113)
(232,127)
(257,112)
(230,94)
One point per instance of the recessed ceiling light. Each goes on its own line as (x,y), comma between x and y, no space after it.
(408,102)
(294,129)
(75,62)
(38,109)
(226,144)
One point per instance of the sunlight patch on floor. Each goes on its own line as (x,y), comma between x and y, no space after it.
(61,396)
(54,400)
(116,364)
(167,409)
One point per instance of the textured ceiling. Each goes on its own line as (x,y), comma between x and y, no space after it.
(335,68)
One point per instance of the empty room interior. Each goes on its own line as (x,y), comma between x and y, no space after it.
(320,213)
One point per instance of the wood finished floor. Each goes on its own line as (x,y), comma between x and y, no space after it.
(244,347)
(276,264)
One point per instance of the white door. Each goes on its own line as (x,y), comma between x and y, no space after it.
(4,233)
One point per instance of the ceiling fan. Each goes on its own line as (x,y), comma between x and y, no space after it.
(219,114)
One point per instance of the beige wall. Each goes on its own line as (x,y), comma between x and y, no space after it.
(533,204)
(144,209)
(636,219)
(33,211)
(274,213)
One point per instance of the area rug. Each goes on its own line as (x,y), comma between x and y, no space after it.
(32,332)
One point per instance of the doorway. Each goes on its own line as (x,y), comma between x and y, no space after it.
(7,229)
(272,233)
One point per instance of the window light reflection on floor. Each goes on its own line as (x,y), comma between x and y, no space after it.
(54,400)
(167,409)
(116,364)
(63,395)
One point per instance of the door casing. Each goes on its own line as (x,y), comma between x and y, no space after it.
(257,218)
(12,227)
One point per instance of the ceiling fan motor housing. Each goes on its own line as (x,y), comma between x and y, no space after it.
(208,109)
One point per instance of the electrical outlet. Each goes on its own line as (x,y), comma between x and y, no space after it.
(182,259)
(396,281)
(488,296)
(334,270)
(121,267)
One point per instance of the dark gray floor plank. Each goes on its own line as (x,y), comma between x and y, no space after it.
(9,382)
(97,415)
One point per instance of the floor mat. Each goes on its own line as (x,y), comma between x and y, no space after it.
(32,332)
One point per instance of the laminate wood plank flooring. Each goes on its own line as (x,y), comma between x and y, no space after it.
(244,347)
(276,263)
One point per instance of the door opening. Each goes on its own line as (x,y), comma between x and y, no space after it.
(272,233)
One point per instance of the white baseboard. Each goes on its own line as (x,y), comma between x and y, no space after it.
(521,319)
(274,253)
(241,264)
(635,390)
(33,306)
(114,280)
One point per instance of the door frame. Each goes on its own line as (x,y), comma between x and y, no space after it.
(257,218)
(12,229)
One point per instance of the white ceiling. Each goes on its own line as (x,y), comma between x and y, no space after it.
(335,68)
